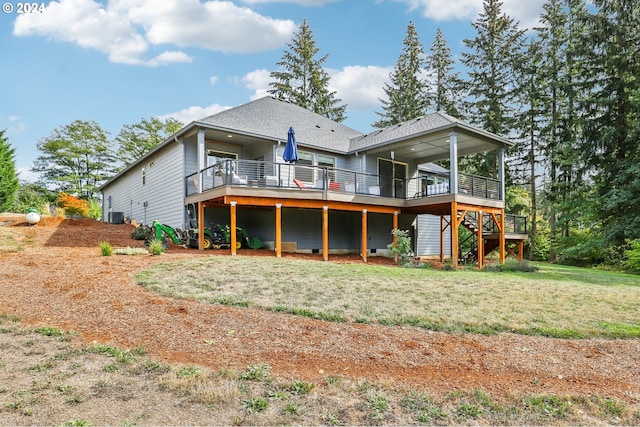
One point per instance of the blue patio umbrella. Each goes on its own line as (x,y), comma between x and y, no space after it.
(290,154)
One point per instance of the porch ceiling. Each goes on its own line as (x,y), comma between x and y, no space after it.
(435,146)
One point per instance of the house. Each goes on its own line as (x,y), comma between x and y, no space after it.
(346,192)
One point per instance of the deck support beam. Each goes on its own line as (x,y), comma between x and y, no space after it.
(278,230)
(364,235)
(454,233)
(200,226)
(480,241)
(503,243)
(325,233)
(232,228)
(395,237)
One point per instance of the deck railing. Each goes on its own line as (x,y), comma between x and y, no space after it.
(513,224)
(255,173)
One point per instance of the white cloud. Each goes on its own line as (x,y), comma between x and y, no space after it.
(360,87)
(194,113)
(169,57)
(26,174)
(300,2)
(524,11)
(126,30)
(213,80)
(15,124)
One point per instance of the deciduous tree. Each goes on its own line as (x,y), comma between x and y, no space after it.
(76,158)
(136,140)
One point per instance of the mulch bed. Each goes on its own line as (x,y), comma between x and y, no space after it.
(62,280)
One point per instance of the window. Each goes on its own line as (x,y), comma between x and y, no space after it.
(309,167)
(217,162)
(304,170)
(327,162)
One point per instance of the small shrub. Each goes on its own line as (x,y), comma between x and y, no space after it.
(156,247)
(95,209)
(402,248)
(73,205)
(633,256)
(512,266)
(255,404)
(141,232)
(130,251)
(105,248)
(50,331)
(301,387)
(189,371)
(256,373)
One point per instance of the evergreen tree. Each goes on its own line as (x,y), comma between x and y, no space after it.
(529,124)
(76,158)
(8,175)
(446,91)
(136,140)
(407,93)
(612,113)
(560,36)
(493,55)
(302,80)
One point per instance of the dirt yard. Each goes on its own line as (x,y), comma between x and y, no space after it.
(60,279)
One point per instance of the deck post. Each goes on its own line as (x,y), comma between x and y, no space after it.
(442,228)
(454,233)
(502,238)
(501,172)
(279,230)
(364,235)
(325,233)
(480,241)
(200,226)
(395,237)
(453,157)
(201,159)
(232,228)
(520,250)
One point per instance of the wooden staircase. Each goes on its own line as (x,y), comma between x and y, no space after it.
(470,222)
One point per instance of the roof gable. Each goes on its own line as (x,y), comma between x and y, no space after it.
(271,118)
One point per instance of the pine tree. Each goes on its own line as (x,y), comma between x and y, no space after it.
(494,53)
(560,37)
(302,80)
(446,92)
(407,91)
(8,175)
(612,114)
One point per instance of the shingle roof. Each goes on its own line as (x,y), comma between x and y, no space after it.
(416,126)
(271,118)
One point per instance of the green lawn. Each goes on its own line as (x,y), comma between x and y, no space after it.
(556,301)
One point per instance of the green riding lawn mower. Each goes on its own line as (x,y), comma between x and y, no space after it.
(215,237)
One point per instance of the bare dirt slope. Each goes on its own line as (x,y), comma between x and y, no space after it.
(61,279)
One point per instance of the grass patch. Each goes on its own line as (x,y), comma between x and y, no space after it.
(552,301)
(74,389)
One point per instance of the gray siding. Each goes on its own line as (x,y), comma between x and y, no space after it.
(428,236)
(160,198)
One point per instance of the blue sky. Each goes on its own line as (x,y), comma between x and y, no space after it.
(117,61)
